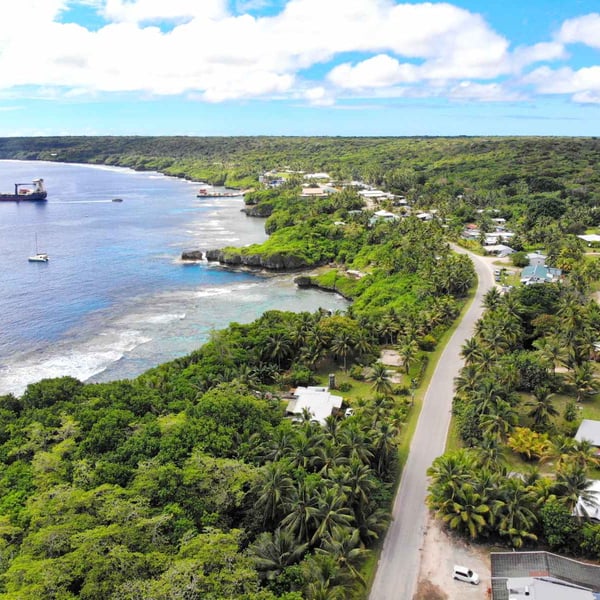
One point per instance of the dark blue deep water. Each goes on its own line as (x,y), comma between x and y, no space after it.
(115,299)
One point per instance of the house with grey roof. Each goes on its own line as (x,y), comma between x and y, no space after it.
(589,430)
(542,576)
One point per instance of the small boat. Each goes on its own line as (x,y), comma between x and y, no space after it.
(117,199)
(35,193)
(38,256)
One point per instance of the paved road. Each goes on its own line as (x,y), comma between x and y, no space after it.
(398,566)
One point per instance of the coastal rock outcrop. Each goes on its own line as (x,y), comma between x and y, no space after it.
(262,210)
(273,262)
(192,255)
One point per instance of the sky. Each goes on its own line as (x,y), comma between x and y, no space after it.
(299,67)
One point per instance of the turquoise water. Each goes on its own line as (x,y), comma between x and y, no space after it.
(115,299)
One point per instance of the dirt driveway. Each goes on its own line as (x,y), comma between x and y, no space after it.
(439,553)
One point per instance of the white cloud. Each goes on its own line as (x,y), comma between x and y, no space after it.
(564,80)
(379,71)
(418,49)
(524,56)
(319,96)
(488,92)
(163,10)
(584,30)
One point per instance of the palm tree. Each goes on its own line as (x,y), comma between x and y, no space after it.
(355,444)
(342,346)
(468,512)
(515,517)
(583,380)
(331,513)
(274,489)
(327,457)
(471,351)
(346,549)
(384,438)
(448,473)
(380,378)
(324,578)
(272,552)
(573,485)
(492,298)
(543,409)
(281,445)
(363,343)
(550,349)
(301,509)
(499,422)
(467,381)
(407,352)
(278,347)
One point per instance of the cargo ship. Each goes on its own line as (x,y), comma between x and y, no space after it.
(33,191)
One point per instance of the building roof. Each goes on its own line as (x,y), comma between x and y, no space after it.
(540,273)
(316,176)
(590,237)
(537,588)
(591,509)
(317,400)
(589,430)
(544,566)
(313,192)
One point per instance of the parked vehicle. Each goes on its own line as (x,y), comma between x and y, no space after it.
(466,575)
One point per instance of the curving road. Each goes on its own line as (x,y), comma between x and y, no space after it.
(398,566)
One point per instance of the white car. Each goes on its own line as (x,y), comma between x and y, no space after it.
(464,574)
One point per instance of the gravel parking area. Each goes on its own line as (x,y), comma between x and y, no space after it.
(439,553)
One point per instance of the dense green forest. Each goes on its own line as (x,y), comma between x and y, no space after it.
(190,482)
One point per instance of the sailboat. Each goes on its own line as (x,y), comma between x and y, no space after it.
(38,256)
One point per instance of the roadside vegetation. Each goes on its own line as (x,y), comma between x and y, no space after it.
(190,481)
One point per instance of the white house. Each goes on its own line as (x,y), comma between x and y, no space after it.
(590,238)
(316,400)
(383,215)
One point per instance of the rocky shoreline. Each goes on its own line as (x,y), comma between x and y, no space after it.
(278,262)
(268,266)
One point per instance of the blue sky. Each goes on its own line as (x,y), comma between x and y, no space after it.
(299,67)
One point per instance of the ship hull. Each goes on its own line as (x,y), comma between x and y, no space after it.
(34,197)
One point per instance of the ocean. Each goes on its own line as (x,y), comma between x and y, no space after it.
(115,299)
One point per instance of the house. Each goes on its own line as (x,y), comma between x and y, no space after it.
(425,216)
(590,238)
(375,195)
(536,258)
(314,192)
(540,274)
(497,237)
(542,576)
(317,176)
(589,430)
(383,215)
(316,400)
(499,250)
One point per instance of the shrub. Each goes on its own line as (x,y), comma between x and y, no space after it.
(357,372)
(427,343)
